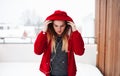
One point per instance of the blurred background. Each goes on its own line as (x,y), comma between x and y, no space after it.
(22,20)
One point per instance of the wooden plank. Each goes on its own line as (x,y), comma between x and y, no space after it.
(101,28)
(108,36)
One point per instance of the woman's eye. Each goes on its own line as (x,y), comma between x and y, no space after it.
(55,25)
(63,26)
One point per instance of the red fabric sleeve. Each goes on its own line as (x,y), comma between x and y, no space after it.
(40,43)
(77,42)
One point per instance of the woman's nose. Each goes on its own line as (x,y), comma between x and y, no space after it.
(59,28)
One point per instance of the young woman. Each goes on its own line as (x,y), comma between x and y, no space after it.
(58,42)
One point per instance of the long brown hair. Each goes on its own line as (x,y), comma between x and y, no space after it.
(52,35)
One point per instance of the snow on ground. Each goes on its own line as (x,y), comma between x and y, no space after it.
(32,69)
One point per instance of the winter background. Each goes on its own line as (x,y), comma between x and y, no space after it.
(22,20)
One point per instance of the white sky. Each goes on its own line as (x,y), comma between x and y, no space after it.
(11,10)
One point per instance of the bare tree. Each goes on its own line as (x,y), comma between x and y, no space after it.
(30,18)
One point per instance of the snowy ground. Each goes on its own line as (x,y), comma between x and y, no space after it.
(32,69)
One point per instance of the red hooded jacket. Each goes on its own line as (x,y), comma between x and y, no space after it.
(75,45)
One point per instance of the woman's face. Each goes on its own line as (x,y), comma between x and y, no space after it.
(59,26)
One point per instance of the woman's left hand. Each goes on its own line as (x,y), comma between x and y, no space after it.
(72,25)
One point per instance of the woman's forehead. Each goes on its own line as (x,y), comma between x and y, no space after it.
(59,22)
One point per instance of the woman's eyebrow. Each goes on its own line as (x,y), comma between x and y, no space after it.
(55,24)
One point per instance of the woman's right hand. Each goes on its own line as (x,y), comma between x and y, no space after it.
(46,25)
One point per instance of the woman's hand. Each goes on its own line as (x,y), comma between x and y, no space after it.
(72,25)
(46,25)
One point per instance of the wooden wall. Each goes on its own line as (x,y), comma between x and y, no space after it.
(107,24)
